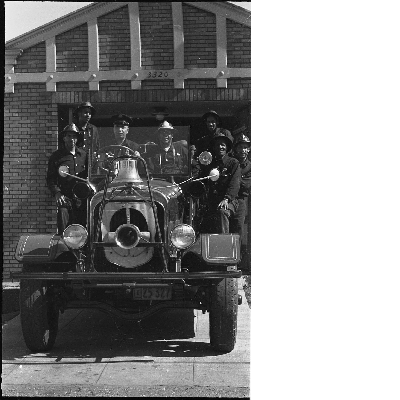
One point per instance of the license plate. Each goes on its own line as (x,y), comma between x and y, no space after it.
(152,293)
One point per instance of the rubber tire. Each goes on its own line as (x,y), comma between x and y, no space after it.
(223,315)
(39,320)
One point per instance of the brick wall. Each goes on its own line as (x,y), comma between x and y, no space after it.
(200,37)
(32,59)
(115,85)
(239,83)
(158,84)
(72,50)
(30,136)
(126,85)
(238,45)
(156,34)
(71,86)
(114,40)
(200,83)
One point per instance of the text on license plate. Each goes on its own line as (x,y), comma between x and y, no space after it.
(152,293)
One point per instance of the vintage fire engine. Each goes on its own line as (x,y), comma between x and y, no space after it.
(141,252)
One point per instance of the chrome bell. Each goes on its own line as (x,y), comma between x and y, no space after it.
(126,171)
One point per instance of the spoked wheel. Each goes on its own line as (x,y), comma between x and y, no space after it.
(39,317)
(223,315)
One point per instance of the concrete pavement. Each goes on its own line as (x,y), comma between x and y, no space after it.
(93,348)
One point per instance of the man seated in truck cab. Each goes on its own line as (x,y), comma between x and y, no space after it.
(167,157)
(70,210)
(121,124)
(222,193)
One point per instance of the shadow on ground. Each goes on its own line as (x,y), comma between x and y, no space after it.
(99,336)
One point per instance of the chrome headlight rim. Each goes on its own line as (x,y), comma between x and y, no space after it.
(175,236)
(70,240)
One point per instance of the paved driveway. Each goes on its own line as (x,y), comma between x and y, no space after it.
(93,348)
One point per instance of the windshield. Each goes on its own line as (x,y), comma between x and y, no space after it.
(164,150)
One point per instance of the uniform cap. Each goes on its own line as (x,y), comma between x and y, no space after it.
(121,120)
(71,128)
(82,105)
(226,139)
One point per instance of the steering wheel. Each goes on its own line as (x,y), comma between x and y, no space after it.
(113,147)
(108,154)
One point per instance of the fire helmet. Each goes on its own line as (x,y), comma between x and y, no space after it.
(70,128)
(82,105)
(242,138)
(226,139)
(214,114)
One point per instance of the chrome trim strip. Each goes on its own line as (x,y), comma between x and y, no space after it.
(22,248)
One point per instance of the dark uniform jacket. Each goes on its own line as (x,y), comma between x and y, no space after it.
(228,183)
(77,165)
(204,143)
(172,161)
(132,145)
(245,179)
(89,135)
(127,143)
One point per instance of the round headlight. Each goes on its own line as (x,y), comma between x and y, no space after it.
(183,236)
(205,158)
(75,236)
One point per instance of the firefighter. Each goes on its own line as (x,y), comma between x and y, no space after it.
(88,133)
(241,150)
(70,210)
(222,193)
(168,157)
(121,124)
(212,122)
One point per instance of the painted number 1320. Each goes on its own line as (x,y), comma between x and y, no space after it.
(157,74)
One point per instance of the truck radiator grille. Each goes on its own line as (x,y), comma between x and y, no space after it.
(136,218)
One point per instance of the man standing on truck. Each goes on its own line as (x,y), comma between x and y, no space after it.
(70,210)
(212,122)
(241,149)
(222,193)
(88,133)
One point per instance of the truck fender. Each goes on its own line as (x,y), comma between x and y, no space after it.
(38,248)
(220,248)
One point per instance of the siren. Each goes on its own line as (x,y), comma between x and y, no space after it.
(127,236)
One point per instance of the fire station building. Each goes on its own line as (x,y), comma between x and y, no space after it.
(148,60)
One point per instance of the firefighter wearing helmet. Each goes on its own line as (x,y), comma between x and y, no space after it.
(211,124)
(222,193)
(70,210)
(241,150)
(88,133)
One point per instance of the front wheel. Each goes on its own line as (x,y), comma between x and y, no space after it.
(223,315)
(39,317)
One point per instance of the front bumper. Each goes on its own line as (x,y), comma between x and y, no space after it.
(123,276)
